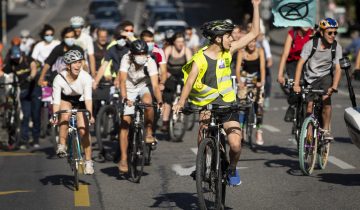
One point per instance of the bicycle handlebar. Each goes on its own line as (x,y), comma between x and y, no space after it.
(215,108)
(72,111)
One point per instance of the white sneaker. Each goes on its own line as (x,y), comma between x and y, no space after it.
(61,150)
(89,167)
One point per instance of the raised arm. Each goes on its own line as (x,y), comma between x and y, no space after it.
(283,59)
(254,32)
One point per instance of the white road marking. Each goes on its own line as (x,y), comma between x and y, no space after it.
(194,150)
(338,106)
(293,140)
(271,128)
(284,107)
(345,93)
(276,108)
(341,164)
(181,171)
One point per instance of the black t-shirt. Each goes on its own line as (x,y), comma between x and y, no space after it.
(22,71)
(99,54)
(59,51)
(115,53)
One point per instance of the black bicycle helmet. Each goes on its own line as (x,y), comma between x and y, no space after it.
(216,28)
(138,47)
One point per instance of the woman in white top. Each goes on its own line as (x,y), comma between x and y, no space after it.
(43,49)
(73,89)
(137,72)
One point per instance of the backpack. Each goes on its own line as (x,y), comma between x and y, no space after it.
(315,41)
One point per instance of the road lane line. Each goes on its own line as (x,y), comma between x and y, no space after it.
(182,171)
(81,197)
(271,128)
(13,192)
(194,150)
(10,154)
(341,164)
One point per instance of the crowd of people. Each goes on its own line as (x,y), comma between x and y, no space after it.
(76,65)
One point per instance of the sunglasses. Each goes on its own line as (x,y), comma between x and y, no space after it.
(332,32)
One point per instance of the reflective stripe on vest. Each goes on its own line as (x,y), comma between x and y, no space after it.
(201,94)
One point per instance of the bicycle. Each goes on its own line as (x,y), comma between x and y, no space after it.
(139,152)
(312,145)
(46,110)
(211,160)
(11,118)
(74,149)
(297,101)
(107,125)
(178,123)
(249,119)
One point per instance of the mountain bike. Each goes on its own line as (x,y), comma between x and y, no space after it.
(312,145)
(139,152)
(211,160)
(74,149)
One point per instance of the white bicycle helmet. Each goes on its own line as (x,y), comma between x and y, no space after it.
(77,21)
(72,55)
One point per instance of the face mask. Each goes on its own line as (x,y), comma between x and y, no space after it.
(69,41)
(140,59)
(48,38)
(130,34)
(150,46)
(121,42)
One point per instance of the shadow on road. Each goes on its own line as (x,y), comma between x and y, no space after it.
(49,151)
(178,200)
(276,150)
(114,172)
(293,166)
(342,179)
(65,180)
(343,140)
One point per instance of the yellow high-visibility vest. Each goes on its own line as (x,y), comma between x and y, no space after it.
(201,94)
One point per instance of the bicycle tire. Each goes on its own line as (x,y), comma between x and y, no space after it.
(323,154)
(44,121)
(207,174)
(307,152)
(104,143)
(136,155)
(75,160)
(250,122)
(177,127)
(147,153)
(54,137)
(300,116)
(13,129)
(191,121)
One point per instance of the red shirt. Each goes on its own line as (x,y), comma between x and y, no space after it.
(158,55)
(297,44)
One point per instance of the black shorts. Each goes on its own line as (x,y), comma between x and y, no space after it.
(323,83)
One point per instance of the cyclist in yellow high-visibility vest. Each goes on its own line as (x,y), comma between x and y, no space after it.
(207,79)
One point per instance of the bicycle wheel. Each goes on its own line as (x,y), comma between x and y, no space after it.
(13,123)
(44,121)
(177,126)
(323,153)
(75,159)
(54,138)
(250,123)
(105,126)
(147,154)
(300,116)
(208,179)
(191,121)
(136,155)
(308,146)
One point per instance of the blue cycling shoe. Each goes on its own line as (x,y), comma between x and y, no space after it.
(233,177)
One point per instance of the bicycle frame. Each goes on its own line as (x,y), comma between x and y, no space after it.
(73,129)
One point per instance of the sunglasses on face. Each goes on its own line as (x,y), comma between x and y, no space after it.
(330,33)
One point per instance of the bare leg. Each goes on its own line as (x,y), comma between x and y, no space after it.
(233,132)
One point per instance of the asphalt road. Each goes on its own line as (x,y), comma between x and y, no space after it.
(271,178)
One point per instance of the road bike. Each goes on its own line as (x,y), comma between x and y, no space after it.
(211,160)
(312,145)
(74,149)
